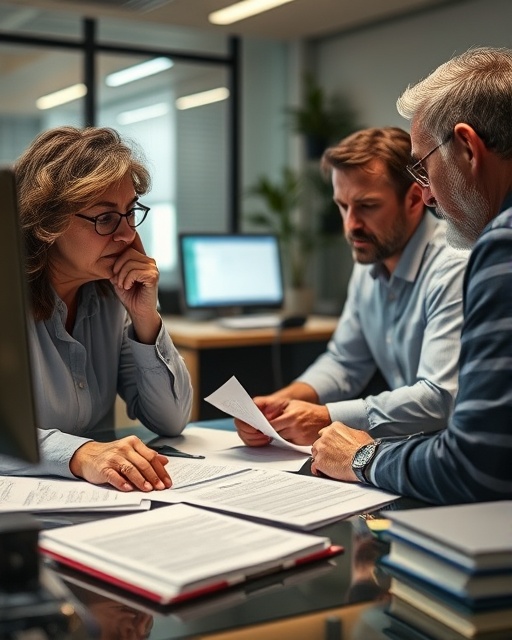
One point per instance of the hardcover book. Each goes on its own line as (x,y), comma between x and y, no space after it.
(474,537)
(466,623)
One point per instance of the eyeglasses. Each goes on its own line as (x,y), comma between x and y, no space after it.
(107,223)
(418,171)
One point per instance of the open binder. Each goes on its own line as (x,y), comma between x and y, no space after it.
(172,554)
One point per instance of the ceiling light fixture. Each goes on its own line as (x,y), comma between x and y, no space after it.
(243,9)
(202,98)
(144,113)
(138,71)
(62,96)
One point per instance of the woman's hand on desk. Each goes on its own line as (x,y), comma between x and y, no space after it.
(126,464)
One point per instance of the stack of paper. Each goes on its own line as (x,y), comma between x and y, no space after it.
(454,564)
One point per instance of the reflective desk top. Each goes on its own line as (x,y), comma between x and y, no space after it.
(348,579)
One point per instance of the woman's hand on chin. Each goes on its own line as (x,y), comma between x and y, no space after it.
(135,281)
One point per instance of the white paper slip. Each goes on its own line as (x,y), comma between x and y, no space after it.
(234,400)
(43,494)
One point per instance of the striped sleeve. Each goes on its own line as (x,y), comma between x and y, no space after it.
(471,460)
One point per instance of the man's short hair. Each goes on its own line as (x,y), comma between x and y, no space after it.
(390,145)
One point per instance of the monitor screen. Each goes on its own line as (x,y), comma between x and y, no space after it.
(231,270)
(18,433)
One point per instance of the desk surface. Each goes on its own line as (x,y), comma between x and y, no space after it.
(210,335)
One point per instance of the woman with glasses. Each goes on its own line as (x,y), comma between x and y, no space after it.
(95,330)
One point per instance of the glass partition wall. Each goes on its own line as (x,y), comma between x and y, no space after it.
(180,106)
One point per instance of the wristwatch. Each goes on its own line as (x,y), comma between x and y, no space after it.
(362,458)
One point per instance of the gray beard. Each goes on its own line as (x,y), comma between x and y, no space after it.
(474,212)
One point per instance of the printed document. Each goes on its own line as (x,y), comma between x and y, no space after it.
(43,494)
(303,502)
(234,400)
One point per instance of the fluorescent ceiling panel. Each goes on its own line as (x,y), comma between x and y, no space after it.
(202,98)
(144,113)
(138,71)
(242,10)
(57,98)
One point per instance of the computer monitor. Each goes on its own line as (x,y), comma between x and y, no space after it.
(18,424)
(225,272)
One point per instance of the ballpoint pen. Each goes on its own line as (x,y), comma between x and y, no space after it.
(172,452)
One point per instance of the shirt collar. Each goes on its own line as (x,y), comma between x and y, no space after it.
(409,263)
(88,302)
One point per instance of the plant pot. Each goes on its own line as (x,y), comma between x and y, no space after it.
(299,301)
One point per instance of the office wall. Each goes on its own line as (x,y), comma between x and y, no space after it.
(374,65)
(265,91)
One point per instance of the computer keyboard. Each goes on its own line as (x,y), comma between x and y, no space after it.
(250,321)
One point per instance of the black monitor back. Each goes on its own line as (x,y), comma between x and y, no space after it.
(18,432)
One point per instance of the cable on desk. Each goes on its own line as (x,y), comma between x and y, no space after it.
(277,365)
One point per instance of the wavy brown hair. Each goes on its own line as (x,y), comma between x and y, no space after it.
(62,173)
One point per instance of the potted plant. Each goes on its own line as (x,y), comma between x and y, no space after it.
(322,119)
(298,239)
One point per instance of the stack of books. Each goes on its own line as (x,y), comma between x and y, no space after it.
(451,571)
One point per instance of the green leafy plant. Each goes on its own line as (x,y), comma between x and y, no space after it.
(323,119)
(281,215)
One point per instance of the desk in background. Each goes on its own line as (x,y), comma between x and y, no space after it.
(213,354)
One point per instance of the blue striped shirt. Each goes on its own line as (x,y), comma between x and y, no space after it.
(472,459)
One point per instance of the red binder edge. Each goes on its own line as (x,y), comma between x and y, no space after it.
(329,552)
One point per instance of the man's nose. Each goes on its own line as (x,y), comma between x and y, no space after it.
(351,220)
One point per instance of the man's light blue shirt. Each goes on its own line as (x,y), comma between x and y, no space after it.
(407,326)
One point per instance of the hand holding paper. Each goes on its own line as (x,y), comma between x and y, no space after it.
(234,400)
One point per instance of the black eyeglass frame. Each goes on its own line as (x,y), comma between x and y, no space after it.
(126,215)
(418,172)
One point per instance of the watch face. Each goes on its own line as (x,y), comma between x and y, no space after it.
(363,455)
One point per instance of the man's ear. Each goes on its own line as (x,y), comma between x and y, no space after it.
(414,199)
(469,146)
